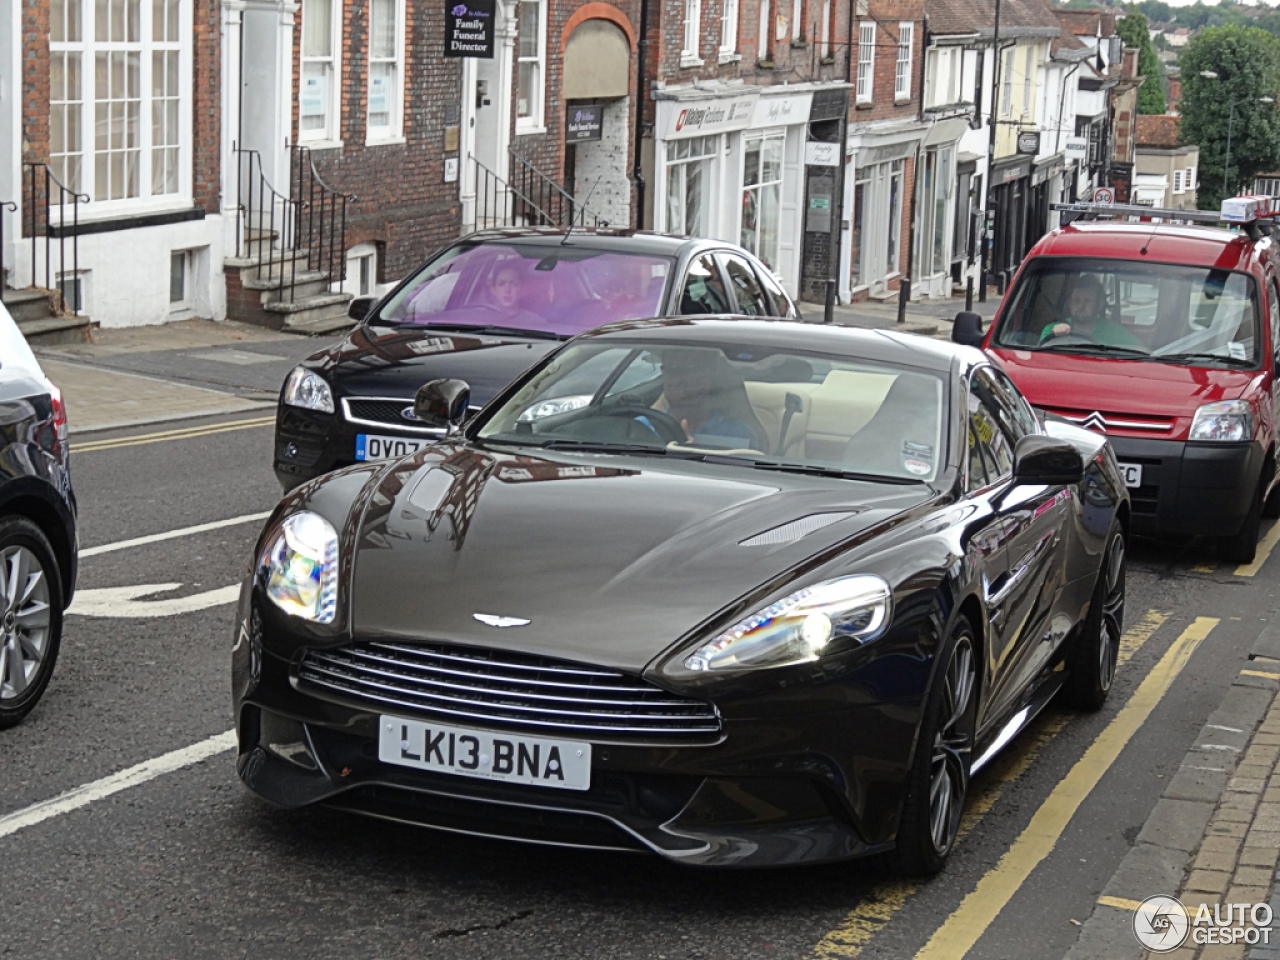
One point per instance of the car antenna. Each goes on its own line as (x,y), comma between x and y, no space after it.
(1154,230)
(582,206)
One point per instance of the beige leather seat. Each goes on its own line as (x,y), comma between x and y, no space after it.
(841,406)
(769,401)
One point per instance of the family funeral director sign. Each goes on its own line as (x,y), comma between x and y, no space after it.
(468,28)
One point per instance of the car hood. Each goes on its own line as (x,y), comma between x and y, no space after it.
(1062,381)
(609,559)
(395,362)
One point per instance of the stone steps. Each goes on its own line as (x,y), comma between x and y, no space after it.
(33,311)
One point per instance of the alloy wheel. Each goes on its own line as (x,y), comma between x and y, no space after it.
(1112,613)
(952,744)
(24,620)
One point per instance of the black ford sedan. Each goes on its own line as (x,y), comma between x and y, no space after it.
(483,310)
(770,594)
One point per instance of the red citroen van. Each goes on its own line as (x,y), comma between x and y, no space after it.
(1165,337)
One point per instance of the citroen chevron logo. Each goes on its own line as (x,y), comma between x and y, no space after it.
(491,620)
(1095,421)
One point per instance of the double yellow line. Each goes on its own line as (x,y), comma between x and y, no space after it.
(187,433)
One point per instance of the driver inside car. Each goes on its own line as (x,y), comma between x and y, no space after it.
(1086,317)
(707,399)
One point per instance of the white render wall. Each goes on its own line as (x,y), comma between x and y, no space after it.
(602,165)
(124,274)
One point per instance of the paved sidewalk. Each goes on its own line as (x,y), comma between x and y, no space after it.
(930,318)
(1213,838)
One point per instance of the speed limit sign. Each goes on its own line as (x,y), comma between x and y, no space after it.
(1104,195)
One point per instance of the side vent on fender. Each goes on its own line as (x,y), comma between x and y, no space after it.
(796,529)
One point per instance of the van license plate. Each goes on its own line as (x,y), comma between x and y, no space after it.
(1132,473)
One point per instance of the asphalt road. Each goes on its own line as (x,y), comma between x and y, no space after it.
(187,864)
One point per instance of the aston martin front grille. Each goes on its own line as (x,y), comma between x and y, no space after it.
(524,693)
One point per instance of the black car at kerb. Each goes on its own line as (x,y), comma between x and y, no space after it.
(38,546)
(363,387)
(770,596)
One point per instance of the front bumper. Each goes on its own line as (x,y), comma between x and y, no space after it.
(309,443)
(778,790)
(1191,488)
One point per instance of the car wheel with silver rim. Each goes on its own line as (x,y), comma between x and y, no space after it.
(30,617)
(1093,661)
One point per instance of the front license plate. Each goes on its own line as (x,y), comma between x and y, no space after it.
(1132,473)
(563,764)
(371,446)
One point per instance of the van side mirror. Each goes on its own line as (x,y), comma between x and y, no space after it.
(1046,460)
(359,308)
(442,403)
(967,329)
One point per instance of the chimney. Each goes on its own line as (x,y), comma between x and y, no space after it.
(1130,62)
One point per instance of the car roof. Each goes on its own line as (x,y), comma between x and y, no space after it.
(881,346)
(642,242)
(1156,243)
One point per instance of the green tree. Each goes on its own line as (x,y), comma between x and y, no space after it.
(1247,63)
(1133,30)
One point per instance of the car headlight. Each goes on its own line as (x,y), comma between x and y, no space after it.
(301,567)
(798,627)
(550,408)
(1227,420)
(307,389)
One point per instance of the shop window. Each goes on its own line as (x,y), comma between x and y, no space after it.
(728,29)
(689,185)
(119,99)
(319,103)
(866,61)
(704,291)
(895,215)
(762,196)
(941,198)
(858,249)
(902,73)
(530,67)
(746,288)
(692,32)
(386,69)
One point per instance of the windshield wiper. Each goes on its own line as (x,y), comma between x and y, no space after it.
(601,446)
(1091,348)
(813,469)
(1192,357)
(490,330)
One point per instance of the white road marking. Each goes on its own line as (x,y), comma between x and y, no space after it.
(99,789)
(1218,726)
(172,534)
(124,602)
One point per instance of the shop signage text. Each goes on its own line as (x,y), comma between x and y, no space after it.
(1029,142)
(821,154)
(781,111)
(583,122)
(1077,148)
(468,28)
(709,116)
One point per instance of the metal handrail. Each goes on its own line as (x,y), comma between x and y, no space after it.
(4,205)
(322,216)
(262,218)
(528,181)
(41,183)
(495,201)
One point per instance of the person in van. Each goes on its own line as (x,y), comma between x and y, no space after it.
(1086,316)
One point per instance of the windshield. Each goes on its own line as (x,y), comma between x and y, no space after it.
(547,289)
(1150,311)
(766,409)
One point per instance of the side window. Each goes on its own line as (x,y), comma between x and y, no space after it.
(1275,319)
(746,288)
(781,302)
(988,440)
(999,393)
(977,462)
(703,290)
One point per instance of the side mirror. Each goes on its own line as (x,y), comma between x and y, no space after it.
(1046,460)
(442,403)
(359,308)
(967,329)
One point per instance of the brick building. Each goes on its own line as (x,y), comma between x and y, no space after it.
(110,167)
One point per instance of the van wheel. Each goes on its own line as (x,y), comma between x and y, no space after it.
(1271,506)
(1243,547)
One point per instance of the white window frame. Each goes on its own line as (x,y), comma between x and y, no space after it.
(86,49)
(361,253)
(704,152)
(186,303)
(902,67)
(766,15)
(866,62)
(1006,85)
(1028,65)
(692,37)
(331,66)
(797,21)
(1189,181)
(1177,182)
(394,131)
(536,121)
(728,30)
(824,35)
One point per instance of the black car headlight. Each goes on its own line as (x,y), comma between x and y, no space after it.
(300,567)
(308,390)
(797,628)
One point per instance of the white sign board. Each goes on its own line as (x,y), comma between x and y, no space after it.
(1077,148)
(822,154)
(1104,195)
(781,111)
(695,118)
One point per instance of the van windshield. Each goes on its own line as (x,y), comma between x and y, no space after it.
(1158,312)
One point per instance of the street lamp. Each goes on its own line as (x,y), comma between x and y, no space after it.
(1231,117)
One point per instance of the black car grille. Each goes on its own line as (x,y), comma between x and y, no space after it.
(525,693)
(387,411)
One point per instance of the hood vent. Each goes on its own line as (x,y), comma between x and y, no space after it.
(796,529)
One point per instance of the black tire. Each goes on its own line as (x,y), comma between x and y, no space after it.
(1097,645)
(1243,547)
(23,678)
(1271,505)
(939,779)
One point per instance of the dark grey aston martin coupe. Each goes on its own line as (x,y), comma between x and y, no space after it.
(741,593)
